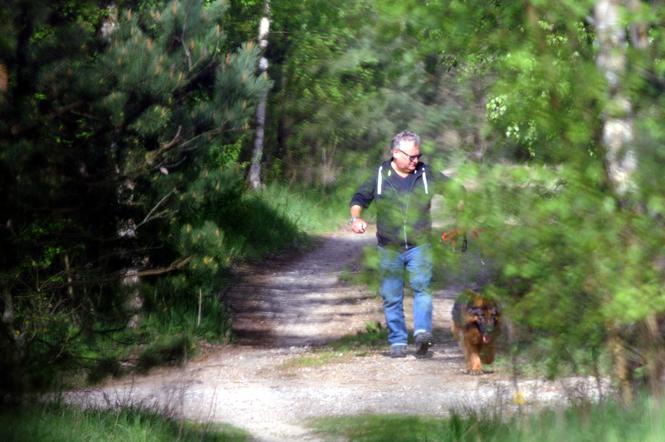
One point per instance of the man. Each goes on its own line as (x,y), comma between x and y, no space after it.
(402,189)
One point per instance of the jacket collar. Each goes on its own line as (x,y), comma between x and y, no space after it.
(387,167)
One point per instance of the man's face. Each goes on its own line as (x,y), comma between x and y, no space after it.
(406,156)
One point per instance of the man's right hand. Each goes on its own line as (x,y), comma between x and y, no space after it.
(359,225)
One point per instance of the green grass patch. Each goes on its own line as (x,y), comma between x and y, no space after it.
(644,421)
(343,350)
(57,423)
(316,358)
(374,336)
(380,428)
(313,211)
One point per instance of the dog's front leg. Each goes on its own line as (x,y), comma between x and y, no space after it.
(472,358)
(488,353)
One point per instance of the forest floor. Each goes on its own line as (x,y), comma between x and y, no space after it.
(277,376)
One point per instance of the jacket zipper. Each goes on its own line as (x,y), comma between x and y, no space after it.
(406,243)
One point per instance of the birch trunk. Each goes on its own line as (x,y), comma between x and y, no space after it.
(621,163)
(257,153)
(617,136)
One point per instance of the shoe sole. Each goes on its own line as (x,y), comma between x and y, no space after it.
(423,348)
(400,353)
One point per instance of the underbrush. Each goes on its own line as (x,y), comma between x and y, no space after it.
(54,423)
(535,358)
(185,308)
(644,421)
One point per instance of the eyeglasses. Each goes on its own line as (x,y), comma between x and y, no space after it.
(411,157)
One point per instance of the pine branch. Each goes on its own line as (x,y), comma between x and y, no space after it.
(159,203)
(188,55)
(141,168)
(175,265)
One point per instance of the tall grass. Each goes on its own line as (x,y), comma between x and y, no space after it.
(645,421)
(311,210)
(57,423)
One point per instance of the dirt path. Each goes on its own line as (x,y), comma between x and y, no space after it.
(284,310)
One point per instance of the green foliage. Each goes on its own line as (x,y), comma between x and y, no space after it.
(570,261)
(117,158)
(66,423)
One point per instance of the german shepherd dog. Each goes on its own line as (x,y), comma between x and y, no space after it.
(476,325)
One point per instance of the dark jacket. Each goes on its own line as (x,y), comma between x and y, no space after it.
(403,204)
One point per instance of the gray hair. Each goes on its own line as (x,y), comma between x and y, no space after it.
(405,135)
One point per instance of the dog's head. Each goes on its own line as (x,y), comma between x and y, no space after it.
(486,315)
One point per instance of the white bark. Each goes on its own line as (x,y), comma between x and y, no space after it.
(110,23)
(618,135)
(257,153)
(13,331)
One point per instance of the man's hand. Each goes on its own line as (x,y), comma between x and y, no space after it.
(359,225)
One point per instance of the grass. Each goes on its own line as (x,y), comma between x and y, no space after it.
(644,421)
(343,350)
(56,423)
(314,211)
(374,336)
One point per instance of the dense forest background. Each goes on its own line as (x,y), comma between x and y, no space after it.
(128,129)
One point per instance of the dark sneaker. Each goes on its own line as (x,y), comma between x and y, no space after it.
(423,343)
(398,351)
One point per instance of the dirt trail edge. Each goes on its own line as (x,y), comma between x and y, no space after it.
(281,311)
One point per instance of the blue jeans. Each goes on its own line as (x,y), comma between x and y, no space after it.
(418,262)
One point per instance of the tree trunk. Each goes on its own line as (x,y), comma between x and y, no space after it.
(653,354)
(622,371)
(617,135)
(621,162)
(257,153)
(639,37)
(8,318)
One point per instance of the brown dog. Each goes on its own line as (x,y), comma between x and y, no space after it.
(476,325)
